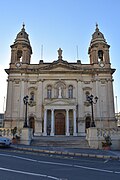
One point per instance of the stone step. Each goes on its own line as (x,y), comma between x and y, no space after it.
(62,141)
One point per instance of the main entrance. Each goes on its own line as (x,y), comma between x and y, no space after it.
(59,124)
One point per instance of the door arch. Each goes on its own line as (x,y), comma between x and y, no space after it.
(32,123)
(59,124)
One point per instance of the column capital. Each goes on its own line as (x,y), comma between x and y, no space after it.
(67,109)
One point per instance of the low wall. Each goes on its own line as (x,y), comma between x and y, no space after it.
(25,134)
(95,137)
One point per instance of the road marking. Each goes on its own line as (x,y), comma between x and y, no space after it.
(29,173)
(60,164)
(106,160)
(116,172)
(94,169)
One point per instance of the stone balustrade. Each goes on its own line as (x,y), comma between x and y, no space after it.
(95,137)
(7,132)
(107,131)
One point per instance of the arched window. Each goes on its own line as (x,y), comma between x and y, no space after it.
(70,91)
(100,55)
(49,92)
(19,56)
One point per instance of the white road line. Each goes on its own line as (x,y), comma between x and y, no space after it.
(94,169)
(106,160)
(60,164)
(116,172)
(29,173)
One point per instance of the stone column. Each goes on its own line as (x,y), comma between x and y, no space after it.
(52,123)
(67,122)
(74,120)
(45,123)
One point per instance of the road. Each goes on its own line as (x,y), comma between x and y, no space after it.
(24,166)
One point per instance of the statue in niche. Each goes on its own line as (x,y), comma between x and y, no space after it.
(59,92)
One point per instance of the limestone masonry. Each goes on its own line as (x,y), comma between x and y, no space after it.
(58,90)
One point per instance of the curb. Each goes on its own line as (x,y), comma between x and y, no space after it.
(72,154)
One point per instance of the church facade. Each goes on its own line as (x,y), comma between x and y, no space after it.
(57,92)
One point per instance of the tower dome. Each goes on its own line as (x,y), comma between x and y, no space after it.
(21,50)
(22,37)
(99,49)
(98,36)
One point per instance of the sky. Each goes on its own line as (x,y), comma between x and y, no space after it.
(54,24)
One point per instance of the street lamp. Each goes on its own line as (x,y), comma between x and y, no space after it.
(91,99)
(25,100)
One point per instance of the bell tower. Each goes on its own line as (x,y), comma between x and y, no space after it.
(21,50)
(99,49)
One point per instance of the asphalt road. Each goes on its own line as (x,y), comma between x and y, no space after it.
(29,166)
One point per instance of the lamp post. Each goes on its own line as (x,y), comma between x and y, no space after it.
(91,99)
(25,100)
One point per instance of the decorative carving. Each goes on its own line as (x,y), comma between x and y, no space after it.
(103,81)
(32,103)
(86,103)
(32,82)
(86,82)
(87,88)
(17,81)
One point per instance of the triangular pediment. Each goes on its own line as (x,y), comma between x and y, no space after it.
(59,102)
(59,66)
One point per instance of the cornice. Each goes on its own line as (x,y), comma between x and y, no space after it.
(54,68)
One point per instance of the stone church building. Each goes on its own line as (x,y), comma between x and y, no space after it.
(58,91)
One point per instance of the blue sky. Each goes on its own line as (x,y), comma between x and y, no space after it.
(54,24)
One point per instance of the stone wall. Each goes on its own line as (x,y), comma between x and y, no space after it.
(95,137)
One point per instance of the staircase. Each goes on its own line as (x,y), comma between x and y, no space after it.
(60,141)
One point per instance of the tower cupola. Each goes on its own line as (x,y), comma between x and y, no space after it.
(21,50)
(99,49)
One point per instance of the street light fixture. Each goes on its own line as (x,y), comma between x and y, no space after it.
(92,100)
(26,102)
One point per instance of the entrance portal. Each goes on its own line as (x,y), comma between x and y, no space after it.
(59,124)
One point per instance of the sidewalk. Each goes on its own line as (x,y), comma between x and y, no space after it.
(106,154)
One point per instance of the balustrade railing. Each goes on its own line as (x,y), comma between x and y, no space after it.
(107,131)
(8,132)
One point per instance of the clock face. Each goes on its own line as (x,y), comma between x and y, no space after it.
(18,64)
(101,64)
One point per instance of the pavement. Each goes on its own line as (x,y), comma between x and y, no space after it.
(73,152)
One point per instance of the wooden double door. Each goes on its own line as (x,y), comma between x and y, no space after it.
(59,124)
